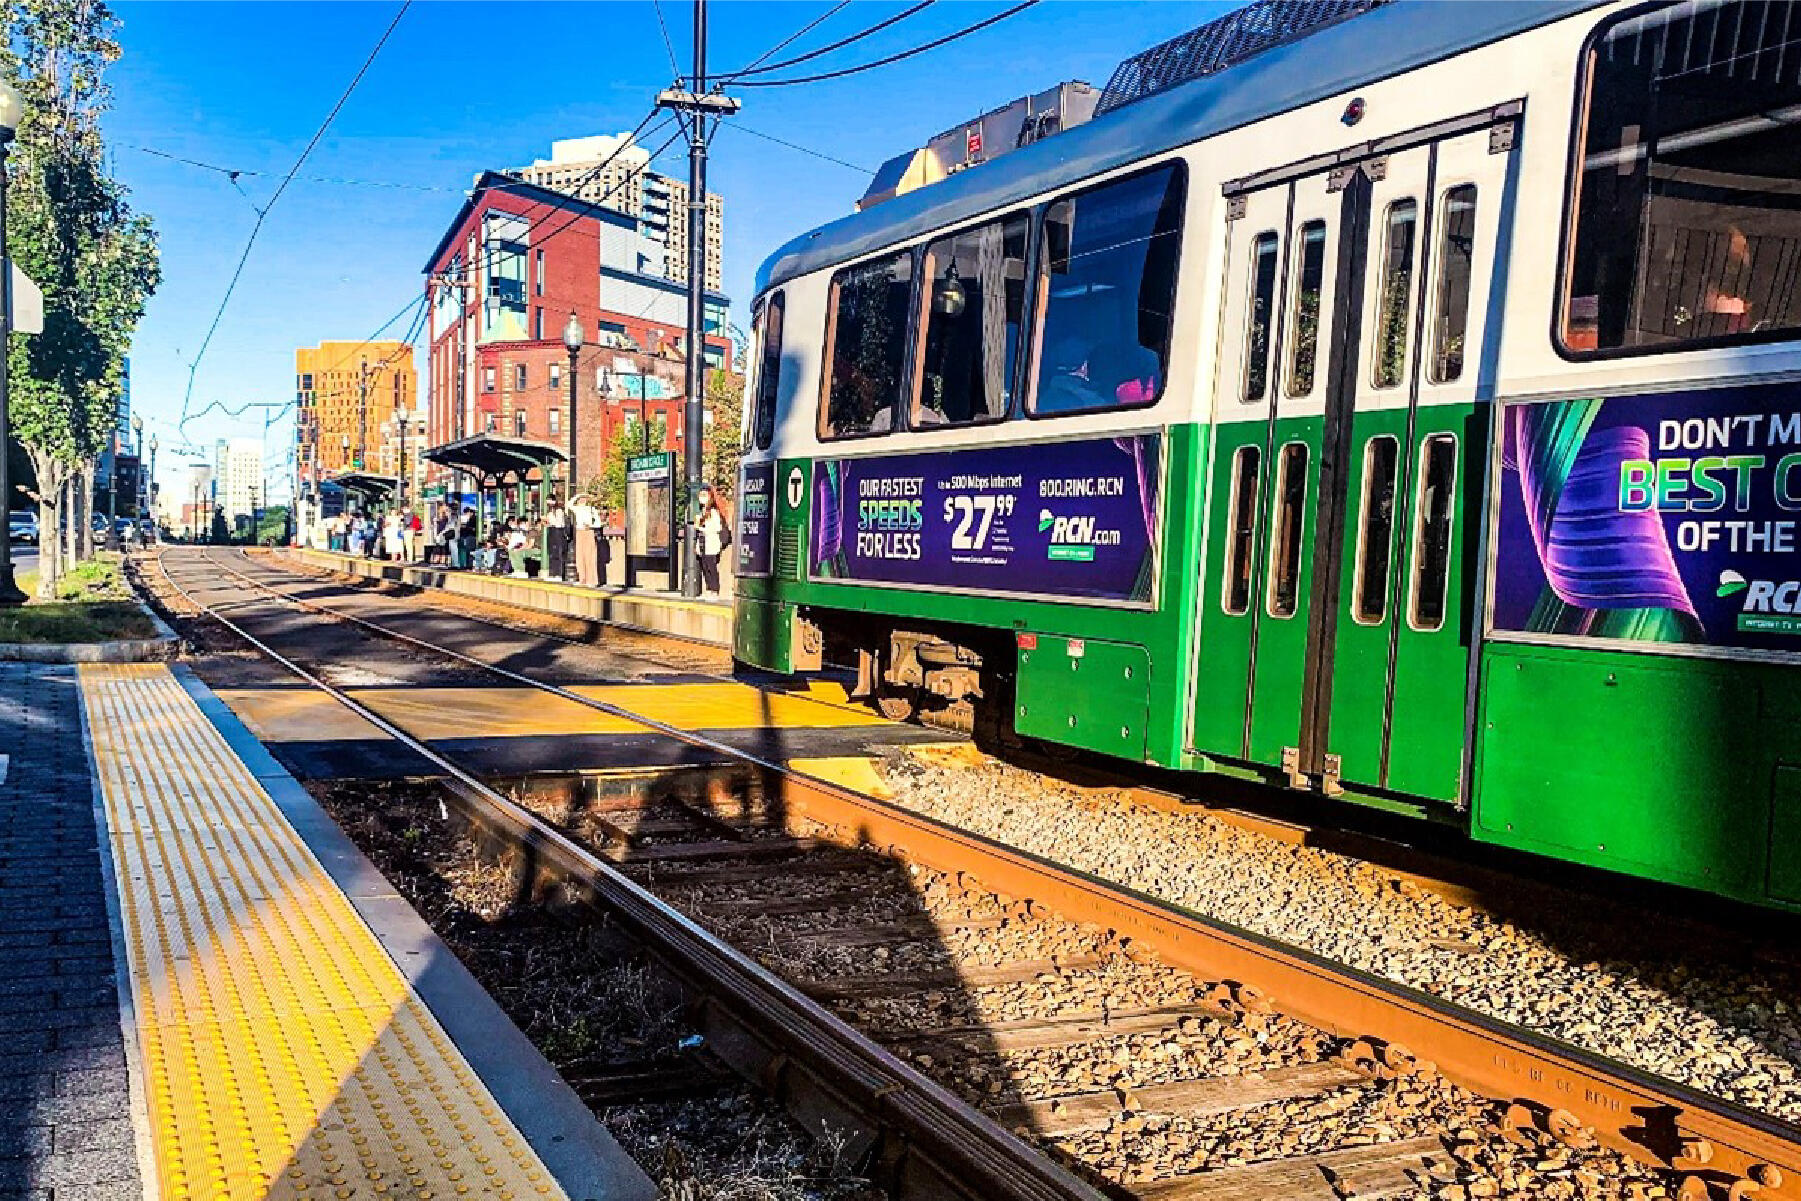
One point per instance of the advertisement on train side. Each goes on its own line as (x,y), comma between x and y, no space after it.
(1067,519)
(1672,518)
(756,520)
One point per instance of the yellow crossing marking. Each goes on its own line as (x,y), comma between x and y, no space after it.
(286,1055)
(304,715)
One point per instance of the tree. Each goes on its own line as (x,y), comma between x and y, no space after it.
(724,431)
(610,485)
(70,228)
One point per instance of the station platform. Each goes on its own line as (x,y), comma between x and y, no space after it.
(292,1028)
(702,620)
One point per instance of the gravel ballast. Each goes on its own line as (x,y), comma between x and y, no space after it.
(1728,1028)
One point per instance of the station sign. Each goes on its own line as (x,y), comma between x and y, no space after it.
(1670,518)
(1073,519)
(649,504)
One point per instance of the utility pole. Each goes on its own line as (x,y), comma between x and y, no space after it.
(697,103)
(362,415)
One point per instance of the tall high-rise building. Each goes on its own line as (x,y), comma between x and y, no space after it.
(344,392)
(238,477)
(658,202)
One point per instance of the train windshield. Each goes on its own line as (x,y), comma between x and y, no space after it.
(1108,286)
(1687,205)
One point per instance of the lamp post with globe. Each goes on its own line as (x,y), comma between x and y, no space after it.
(11,108)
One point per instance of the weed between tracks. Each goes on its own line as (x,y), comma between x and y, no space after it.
(589,1002)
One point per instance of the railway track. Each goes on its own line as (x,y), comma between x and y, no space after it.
(970,963)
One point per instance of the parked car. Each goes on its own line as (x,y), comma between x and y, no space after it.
(22,526)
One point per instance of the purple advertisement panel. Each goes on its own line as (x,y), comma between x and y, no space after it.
(1672,518)
(756,519)
(1073,519)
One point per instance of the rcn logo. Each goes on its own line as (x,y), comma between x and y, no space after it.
(1762,596)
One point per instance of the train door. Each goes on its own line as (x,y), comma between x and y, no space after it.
(1361,290)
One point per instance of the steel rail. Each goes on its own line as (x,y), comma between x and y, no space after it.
(928,1143)
(1715,1148)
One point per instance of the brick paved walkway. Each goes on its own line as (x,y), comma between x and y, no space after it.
(65,1119)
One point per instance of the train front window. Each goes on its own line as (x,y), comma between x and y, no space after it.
(1107,287)
(1686,207)
(769,371)
(976,299)
(866,345)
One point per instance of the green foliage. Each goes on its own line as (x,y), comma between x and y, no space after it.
(70,228)
(725,404)
(609,485)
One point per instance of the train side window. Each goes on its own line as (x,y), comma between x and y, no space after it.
(866,346)
(1235,596)
(1684,230)
(1375,530)
(769,370)
(1456,250)
(1432,532)
(1107,292)
(1285,548)
(1395,301)
(1309,278)
(1262,304)
(976,289)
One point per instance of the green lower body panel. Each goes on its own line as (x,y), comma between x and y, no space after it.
(1085,693)
(763,634)
(1670,768)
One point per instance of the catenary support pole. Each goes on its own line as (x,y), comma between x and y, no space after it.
(694,419)
(9,588)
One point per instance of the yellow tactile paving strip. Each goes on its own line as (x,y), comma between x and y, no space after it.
(303,715)
(285,1055)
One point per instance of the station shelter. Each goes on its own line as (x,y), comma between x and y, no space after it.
(512,476)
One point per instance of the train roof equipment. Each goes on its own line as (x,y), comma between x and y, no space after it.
(1240,73)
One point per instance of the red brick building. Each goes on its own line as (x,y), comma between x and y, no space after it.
(501,284)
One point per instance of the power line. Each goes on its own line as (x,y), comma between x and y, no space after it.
(263,213)
(792,38)
(769,137)
(892,58)
(667,44)
(234,173)
(753,69)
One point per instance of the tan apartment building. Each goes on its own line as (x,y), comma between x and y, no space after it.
(345,393)
(626,184)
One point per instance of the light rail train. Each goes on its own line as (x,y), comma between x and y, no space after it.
(1400,401)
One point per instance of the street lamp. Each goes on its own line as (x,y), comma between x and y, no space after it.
(400,479)
(572,342)
(150,486)
(11,108)
(137,497)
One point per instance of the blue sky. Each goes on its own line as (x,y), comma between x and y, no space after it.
(464,86)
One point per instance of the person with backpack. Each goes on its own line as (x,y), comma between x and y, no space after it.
(712,535)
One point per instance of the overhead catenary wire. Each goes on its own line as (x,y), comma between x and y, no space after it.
(788,41)
(892,58)
(819,154)
(234,173)
(269,205)
(755,69)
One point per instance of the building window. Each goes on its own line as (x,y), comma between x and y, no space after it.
(519,376)
(538,282)
(519,423)
(487,379)
(556,421)
(975,304)
(556,375)
(1108,274)
(538,323)
(491,423)
(866,345)
(1684,227)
